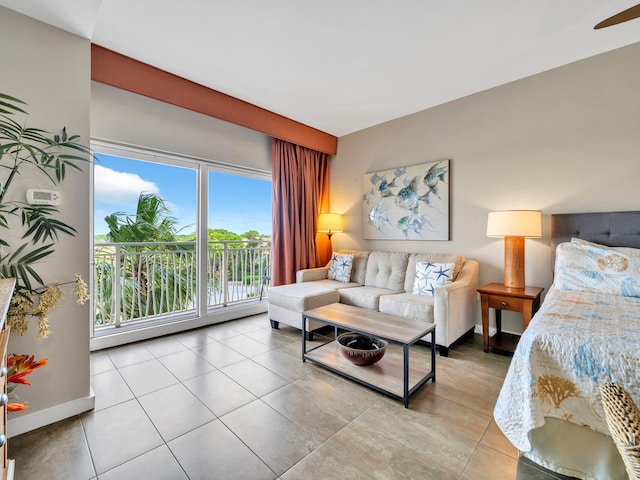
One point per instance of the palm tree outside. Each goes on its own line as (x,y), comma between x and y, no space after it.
(156,274)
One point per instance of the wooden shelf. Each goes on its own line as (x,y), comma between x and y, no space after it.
(386,375)
(505,342)
(6,291)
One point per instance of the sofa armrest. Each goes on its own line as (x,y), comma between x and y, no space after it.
(455,305)
(311,274)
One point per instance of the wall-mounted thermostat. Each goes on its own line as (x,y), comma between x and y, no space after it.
(43,197)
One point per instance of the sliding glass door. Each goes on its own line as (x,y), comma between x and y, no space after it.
(239,237)
(144,241)
(176,240)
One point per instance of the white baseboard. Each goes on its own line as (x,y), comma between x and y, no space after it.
(478,329)
(492,331)
(126,335)
(41,418)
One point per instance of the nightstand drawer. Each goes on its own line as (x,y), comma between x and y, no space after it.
(505,303)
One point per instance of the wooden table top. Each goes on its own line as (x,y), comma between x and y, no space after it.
(382,325)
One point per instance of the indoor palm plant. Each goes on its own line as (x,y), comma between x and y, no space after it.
(32,151)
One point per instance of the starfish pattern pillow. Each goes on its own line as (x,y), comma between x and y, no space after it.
(340,267)
(431,275)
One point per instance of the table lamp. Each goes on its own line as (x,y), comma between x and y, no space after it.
(330,223)
(514,226)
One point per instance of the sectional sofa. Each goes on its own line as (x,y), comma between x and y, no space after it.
(440,288)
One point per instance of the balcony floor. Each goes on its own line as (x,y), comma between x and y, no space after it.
(234,400)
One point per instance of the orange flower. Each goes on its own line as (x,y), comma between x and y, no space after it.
(16,407)
(19,367)
(19,378)
(24,363)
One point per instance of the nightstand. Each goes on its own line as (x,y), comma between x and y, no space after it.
(495,295)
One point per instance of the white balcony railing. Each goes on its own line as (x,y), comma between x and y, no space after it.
(136,282)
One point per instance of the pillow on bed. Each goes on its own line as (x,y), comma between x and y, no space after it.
(340,267)
(632,252)
(431,275)
(590,267)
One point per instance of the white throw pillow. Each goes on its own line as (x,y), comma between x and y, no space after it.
(431,275)
(340,267)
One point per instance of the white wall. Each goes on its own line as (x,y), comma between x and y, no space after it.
(50,69)
(562,141)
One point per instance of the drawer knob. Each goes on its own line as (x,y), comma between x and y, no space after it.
(4,399)
(3,372)
(3,440)
(503,303)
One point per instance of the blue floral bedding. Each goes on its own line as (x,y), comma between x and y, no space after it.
(576,341)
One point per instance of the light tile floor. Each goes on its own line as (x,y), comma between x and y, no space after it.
(235,401)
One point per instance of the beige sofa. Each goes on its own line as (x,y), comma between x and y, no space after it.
(384,281)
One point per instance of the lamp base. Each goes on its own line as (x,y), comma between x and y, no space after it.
(514,262)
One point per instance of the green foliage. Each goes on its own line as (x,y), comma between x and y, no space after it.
(28,151)
(215,235)
(220,234)
(144,278)
(191,237)
(151,222)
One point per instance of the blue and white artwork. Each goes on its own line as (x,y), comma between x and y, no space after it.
(408,203)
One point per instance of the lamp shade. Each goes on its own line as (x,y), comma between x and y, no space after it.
(515,223)
(330,223)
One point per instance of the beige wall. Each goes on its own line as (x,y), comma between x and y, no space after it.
(50,69)
(562,141)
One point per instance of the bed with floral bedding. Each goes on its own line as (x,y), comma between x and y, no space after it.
(587,332)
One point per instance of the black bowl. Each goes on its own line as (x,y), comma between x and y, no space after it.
(361,349)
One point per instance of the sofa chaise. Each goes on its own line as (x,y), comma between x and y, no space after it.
(440,288)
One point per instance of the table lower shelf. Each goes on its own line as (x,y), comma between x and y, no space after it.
(505,342)
(386,376)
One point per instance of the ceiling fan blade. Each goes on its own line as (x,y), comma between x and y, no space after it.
(625,16)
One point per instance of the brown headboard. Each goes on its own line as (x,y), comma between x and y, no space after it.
(615,229)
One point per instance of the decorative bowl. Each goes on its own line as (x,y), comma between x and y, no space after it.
(360,349)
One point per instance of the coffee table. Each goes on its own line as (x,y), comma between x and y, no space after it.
(392,374)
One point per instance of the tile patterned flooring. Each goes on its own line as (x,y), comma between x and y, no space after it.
(234,401)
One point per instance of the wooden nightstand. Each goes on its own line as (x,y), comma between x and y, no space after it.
(496,295)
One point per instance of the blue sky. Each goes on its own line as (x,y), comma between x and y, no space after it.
(236,203)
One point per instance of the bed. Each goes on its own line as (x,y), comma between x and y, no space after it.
(586,332)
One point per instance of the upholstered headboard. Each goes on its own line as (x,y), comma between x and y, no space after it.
(615,229)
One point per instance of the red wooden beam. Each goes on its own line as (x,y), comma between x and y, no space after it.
(134,76)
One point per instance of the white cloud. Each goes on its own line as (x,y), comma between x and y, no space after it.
(119,188)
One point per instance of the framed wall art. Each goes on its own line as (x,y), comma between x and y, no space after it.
(408,203)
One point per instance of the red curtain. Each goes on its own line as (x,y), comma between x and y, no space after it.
(300,192)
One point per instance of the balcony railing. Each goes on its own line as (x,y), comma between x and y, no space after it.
(136,282)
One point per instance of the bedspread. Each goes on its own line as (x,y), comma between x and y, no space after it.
(574,343)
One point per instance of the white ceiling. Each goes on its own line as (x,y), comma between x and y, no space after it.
(344,65)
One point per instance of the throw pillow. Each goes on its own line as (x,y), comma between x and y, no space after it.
(340,267)
(431,275)
(590,267)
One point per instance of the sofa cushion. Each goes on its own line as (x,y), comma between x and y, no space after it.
(302,296)
(335,284)
(458,260)
(340,267)
(387,270)
(431,275)
(407,305)
(364,297)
